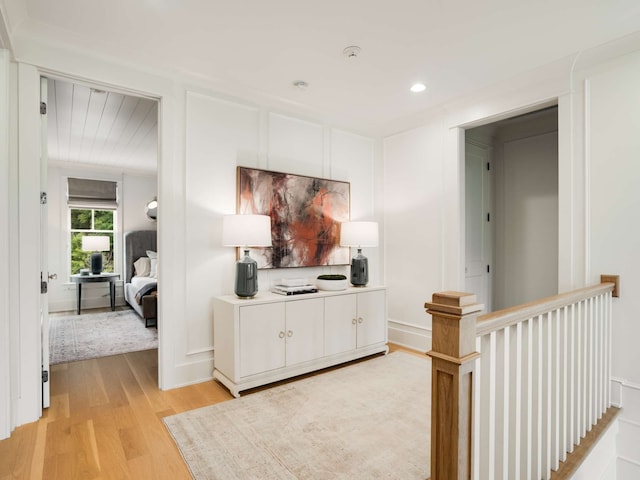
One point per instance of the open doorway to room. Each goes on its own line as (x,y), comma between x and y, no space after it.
(102,149)
(511,209)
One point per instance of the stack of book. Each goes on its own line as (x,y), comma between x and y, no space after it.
(293,287)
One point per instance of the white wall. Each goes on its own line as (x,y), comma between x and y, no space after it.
(613,146)
(135,190)
(414,196)
(527,219)
(225,133)
(526,208)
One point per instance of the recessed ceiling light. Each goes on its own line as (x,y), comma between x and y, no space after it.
(418,87)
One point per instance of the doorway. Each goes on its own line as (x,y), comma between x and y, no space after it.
(511,209)
(102,137)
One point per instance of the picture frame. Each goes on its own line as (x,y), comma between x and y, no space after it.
(306,213)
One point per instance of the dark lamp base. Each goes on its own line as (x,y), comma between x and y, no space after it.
(246,276)
(359,270)
(96,263)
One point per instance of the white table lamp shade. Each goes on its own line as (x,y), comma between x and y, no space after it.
(246,231)
(95,244)
(359,234)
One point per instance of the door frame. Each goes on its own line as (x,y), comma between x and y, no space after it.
(44,249)
(27,349)
(129,92)
(6,413)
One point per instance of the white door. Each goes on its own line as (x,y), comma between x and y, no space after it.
(371,318)
(478,238)
(305,330)
(44,247)
(262,338)
(339,324)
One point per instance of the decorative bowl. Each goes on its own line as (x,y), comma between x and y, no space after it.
(334,285)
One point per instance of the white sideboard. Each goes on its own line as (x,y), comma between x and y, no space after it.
(272,337)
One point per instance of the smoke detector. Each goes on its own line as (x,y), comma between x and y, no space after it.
(352,52)
(300,84)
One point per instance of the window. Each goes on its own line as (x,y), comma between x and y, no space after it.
(92,212)
(88,222)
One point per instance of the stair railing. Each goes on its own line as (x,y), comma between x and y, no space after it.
(514,390)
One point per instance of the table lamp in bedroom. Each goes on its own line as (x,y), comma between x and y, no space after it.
(246,231)
(97,245)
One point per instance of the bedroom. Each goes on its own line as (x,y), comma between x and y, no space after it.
(102,173)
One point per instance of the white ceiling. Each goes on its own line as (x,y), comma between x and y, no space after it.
(96,127)
(258,48)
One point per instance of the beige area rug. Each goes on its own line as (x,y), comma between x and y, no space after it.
(368,421)
(92,335)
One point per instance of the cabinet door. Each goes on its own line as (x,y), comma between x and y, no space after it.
(305,330)
(262,338)
(372,312)
(339,324)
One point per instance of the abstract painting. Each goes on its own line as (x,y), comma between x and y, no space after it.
(305,213)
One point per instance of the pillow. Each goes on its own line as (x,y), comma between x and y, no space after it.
(153,257)
(142,267)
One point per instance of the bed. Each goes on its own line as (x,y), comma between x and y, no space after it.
(140,274)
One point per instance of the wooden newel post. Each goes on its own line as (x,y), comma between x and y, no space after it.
(453,359)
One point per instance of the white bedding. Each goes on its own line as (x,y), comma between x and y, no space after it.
(130,290)
(139,282)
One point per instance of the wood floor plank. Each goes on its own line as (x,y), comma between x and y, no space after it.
(37,461)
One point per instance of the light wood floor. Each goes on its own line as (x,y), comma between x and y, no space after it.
(105,422)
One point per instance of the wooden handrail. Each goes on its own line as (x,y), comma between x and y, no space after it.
(500,319)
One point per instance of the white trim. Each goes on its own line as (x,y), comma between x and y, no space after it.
(587,181)
(29,351)
(626,383)
(5,344)
(200,350)
(629,422)
(628,460)
(415,337)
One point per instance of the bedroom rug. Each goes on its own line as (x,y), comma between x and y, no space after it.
(90,335)
(368,421)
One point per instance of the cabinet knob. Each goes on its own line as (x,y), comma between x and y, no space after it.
(354,321)
(281,335)
(289,333)
(360,320)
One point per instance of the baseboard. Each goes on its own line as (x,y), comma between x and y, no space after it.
(594,458)
(628,455)
(87,304)
(628,441)
(409,335)
(627,469)
(601,461)
(62,298)
(195,371)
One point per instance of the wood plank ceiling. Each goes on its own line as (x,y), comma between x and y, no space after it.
(91,127)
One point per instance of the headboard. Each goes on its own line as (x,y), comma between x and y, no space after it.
(136,244)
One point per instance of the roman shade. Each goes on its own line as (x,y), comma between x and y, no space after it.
(87,193)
